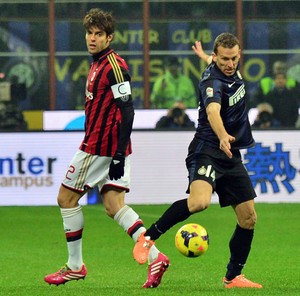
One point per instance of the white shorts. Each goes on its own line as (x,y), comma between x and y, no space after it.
(87,171)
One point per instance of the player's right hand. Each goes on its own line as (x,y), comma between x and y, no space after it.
(225,145)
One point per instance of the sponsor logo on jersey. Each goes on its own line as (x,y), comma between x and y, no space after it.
(239,94)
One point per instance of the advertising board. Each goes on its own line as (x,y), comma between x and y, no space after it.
(33,164)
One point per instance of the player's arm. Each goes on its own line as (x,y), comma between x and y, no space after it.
(198,50)
(125,104)
(122,95)
(213,114)
(127,112)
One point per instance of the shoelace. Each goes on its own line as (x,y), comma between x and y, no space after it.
(242,278)
(63,269)
(147,244)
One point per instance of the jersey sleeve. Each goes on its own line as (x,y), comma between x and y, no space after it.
(211,91)
(119,79)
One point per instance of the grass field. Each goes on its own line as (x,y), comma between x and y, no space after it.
(33,244)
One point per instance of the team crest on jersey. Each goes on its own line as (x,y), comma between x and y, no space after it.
(209,92)
(89,95)
(238,73)
(202,171)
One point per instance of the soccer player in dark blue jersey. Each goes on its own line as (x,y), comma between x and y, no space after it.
(214,161)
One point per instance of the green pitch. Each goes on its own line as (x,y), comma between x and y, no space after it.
(33,244)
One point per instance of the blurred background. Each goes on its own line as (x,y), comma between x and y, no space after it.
(43,52)
(44,64)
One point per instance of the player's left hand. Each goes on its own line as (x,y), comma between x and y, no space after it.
(198,50)
(116,168)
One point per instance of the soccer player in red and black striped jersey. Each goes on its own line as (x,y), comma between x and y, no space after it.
(102,159)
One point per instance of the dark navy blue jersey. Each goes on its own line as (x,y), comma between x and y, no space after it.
(230,93)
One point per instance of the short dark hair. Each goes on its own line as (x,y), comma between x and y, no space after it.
(100,19)
(226,40)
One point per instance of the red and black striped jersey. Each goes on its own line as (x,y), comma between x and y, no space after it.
(108,117)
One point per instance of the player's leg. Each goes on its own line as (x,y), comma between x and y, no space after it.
(235,189)
(124,215)
(246,214)
(113,196)
(201,184)
(129,220)
(197,201)
(240,245)
(72,217)
(73,221)
(241,240)
(201,174)
(73,188)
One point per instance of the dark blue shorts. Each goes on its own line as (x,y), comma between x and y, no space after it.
(228,176)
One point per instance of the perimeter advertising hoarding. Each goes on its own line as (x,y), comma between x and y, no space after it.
(32,166)
(143,118)
(74,120)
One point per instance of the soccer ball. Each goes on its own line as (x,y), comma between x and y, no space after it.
(192,240)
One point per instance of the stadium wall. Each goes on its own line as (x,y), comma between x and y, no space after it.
(33,164)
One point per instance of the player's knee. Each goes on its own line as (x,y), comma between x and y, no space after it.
(112,207)
(249,221)
(67,198)
(66,203)
(197,205)
(63,202)
(109,212)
